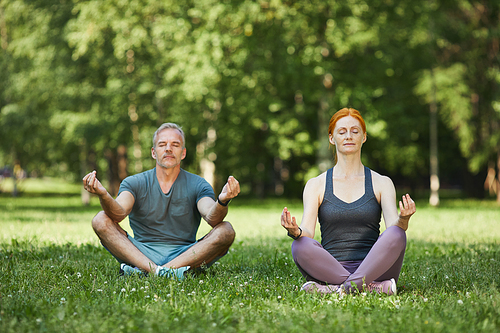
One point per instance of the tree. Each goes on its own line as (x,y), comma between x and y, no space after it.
(467,77)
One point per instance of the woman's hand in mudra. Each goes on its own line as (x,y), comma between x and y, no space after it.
(289,223)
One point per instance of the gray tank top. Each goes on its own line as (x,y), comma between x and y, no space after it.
(349,230)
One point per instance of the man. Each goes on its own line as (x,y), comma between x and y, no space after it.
(165,206)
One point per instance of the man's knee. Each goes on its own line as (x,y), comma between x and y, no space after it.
(225,233)
(101,223)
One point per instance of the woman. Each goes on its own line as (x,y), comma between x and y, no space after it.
(348,200)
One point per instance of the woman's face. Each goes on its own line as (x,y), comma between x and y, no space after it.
(348,135)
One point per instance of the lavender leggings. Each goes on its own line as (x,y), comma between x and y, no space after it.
(383,262)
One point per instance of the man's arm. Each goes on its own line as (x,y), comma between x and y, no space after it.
(214,212)
(117,209)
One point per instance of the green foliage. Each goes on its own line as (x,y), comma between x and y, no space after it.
(82,79)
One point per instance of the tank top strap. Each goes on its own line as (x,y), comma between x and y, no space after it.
(329,184)
(368,181)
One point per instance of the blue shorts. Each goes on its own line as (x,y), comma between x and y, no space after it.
(162,253)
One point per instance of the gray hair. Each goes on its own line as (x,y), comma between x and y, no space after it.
(165,126)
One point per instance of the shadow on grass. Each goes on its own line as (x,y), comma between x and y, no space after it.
(48,204)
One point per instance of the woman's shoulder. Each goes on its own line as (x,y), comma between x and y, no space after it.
(316,183)
(381,182)
(315,190)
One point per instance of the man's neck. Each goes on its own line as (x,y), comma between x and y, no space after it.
(167,176)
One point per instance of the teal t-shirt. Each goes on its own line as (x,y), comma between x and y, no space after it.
(171,218)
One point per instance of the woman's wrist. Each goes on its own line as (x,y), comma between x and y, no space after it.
(403,223)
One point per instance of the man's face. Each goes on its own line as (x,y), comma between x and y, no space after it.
(169,149)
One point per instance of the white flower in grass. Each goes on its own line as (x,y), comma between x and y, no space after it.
(460,301)
(201,281)
(133,289)
(241,304)
(209,304)
(79,274)
(123,290)
(63,300)
(279,297)
(99,290)
(38,320)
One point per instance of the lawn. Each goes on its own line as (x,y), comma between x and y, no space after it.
(54,276)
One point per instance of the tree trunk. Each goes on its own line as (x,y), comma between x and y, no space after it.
(113,178)
(324,155)
(498,177)
(85,196)
(434,160)
(206,164)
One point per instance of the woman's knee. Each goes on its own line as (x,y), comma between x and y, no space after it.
(397,235)
(301,246)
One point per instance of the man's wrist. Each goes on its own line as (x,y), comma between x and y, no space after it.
(224,204)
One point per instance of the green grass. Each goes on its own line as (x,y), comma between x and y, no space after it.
(54,276)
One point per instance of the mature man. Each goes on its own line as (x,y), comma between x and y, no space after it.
(165,206)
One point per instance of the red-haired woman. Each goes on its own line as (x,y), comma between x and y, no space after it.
(348,201)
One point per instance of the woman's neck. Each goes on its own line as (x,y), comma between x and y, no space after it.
(348,167)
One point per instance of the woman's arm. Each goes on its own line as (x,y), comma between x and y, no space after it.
(311,201)
(389,209)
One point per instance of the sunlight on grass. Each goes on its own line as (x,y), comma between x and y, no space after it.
(40,185)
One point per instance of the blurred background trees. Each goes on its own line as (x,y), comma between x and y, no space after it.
(254,84)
